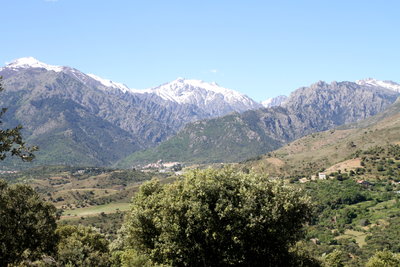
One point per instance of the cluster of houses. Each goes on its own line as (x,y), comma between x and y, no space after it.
(321,176)
(163,167)
(6,172)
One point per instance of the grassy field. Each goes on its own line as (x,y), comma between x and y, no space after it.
(95,210)
(359,237)
(86,194)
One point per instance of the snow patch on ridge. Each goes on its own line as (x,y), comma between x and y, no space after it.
(31,62)
(109,83)
(377,83)
(274,101)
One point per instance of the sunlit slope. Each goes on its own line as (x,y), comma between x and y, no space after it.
(318,151)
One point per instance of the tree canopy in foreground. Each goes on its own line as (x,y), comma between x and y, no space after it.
(27,224)
(217,218)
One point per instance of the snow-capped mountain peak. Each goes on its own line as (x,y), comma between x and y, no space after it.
(209,96)
(31,62)
(385,84)
(181,90)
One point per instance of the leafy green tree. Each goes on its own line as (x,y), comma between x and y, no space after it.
(131,258)
(11,140)
(217,218)
(81,246)
(27,224)
(384,259)
(334,259)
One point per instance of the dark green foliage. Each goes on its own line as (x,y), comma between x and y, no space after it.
(27,224)
(334,259)
(335,194)
(132,258)
(384,259)
(217,218)
(81,246)
(106,224)
(385,237)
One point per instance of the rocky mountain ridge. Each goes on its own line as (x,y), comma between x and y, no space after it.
(79,118)
(236,137)
(211,98)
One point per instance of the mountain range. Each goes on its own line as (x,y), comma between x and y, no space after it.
(83,119)
(79,118)
(236,137)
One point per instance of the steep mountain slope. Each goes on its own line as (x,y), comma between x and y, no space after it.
(79,118)
(236,137)
(321,150)
(56,113)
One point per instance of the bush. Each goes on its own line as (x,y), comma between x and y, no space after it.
(384,259)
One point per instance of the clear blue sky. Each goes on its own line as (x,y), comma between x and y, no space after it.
(260,48)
